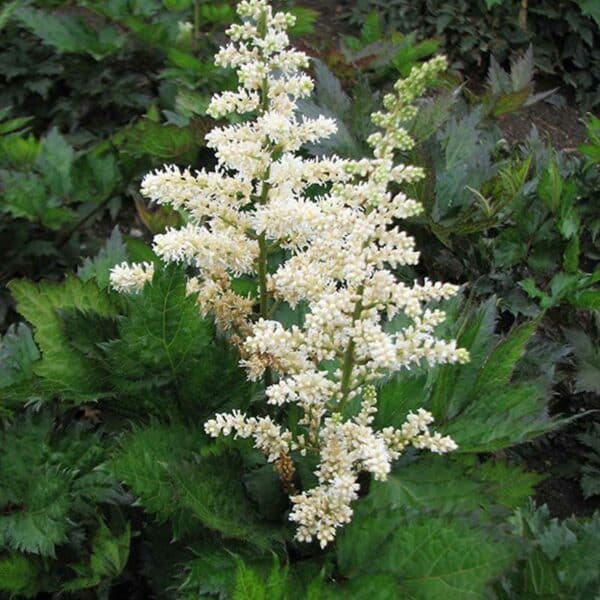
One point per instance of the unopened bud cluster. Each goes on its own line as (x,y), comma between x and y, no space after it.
(340,251)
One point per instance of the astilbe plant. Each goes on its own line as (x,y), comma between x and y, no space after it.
(341,250)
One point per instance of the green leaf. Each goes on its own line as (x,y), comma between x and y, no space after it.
(509,248)
(19,575)
(158,140)
(587,355)
(248,584)
(24,198)
(55,161)
(452,485)
(571,255)
(49,485)
(18,353)
(586,300)
(146,461)
(112,253)
(510,486)
(7,11)
(499,365)
(430,557)
(108,558)
(397,397)
(550,187)
(62,368)
(510,102)
(502,418)
(19,152)
(13,125)
(216,497)
(160,466)
(451,385)
(529,286)
(305,20)
(177,5)
(592,149)
(563,555)
(371,30)
(68,33)
(161,340)
(590,470)
(590,8)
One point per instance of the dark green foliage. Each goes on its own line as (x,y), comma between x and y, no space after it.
(94,81)
(590,470)
(167,469)
(62,368)
(151,349)
(53,493)
(476,403)
(564,34)
(421,556)
(561,562)
(49,487)
(18,352)
(113,252)
(19,575)
(161,337)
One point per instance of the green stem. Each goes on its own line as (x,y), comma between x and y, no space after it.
(262,276)
(349,360)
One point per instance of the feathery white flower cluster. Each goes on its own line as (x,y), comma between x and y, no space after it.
(340,251)
(129,279)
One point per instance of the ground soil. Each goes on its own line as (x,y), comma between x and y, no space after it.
(561,125)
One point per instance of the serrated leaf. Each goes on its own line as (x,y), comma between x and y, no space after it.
(571,255)
(305,20)
(162,336)
(550,187)
(159,465)
(500,364)
(19,575)
(62,368)
(163,141)
(55,161)
(509,248)
(18,353)
(587,355)
(510,486)
(48,485)
(510,102)
(113,252)
(521,71)
(501,419)
(430,557)
(108,558)
(68,33)
(452,486)
(371,30)
(329,91)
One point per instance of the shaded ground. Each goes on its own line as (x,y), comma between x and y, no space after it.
(561,125)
